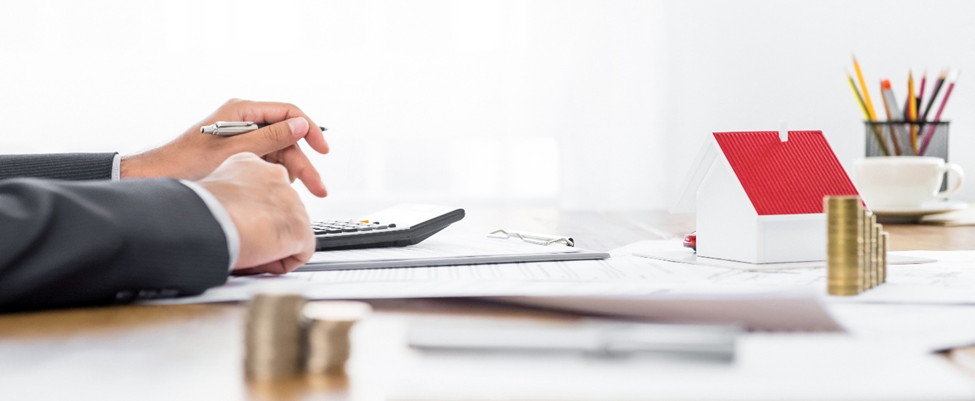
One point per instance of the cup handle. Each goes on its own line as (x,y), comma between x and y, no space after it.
(960,175)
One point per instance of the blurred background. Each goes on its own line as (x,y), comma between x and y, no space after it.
(593,105)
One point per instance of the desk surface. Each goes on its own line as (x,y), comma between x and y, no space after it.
(145,349)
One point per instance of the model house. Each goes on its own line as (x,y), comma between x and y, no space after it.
(759,195)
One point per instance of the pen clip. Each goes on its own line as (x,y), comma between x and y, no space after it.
(538,239)
(225,124)
(228,127)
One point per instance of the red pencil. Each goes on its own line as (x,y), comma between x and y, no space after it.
(920,95)
(937,116)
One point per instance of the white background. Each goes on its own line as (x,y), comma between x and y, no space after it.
(573,104)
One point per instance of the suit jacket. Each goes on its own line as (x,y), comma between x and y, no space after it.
(77,243)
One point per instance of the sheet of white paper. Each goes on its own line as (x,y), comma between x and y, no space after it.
(605,277)
(670,253)
(948,281)
(442,250)
(767,367)
(926,327)
(793,311)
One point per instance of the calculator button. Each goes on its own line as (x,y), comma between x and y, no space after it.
(392,225)
(348,230)
(333,231)
(380,227)
(366,228)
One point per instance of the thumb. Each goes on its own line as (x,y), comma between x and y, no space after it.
(272,138)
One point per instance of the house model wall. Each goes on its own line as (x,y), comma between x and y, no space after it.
(759,195)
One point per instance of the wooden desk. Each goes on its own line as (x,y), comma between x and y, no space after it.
(195,350)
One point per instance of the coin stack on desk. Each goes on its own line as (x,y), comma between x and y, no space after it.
(285,335)
(273,340)
(856,247)
(327,326)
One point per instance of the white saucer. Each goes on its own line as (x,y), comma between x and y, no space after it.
(913,215)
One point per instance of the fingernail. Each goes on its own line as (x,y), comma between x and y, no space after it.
(299,127)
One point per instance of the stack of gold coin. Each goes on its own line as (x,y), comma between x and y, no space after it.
(875,244)
(327,324)
(884,248)
(868,249)
(866,229)
(273,337)
(844,245)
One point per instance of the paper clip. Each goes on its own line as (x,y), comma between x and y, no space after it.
(538,239)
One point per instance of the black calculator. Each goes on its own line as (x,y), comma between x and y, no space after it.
(397,226)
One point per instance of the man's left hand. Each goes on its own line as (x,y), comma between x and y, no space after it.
(193,155)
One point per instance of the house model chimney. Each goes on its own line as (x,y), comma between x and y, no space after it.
(783,131)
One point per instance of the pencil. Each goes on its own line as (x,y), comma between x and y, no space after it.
(863,107)
(920,92)
(937,116)
(866,116)
(890,103)
(866,93)
(934,93)
(912,110)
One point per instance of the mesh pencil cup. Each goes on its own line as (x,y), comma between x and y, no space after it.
(894,138)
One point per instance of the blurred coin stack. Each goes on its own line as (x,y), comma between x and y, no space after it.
(856,247)
(272,336)
(327,325)
(285,335)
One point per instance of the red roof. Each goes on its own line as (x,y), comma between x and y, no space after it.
(789,177)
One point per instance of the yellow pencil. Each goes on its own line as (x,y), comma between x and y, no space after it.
(866,116)
(912,110)
(866,93)
(853,86)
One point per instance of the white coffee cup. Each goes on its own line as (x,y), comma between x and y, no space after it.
(904,182)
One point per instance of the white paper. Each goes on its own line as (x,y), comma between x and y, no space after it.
(767,367)
(669,251)
(445,250)
(925,327)
(793,311)
(604,277)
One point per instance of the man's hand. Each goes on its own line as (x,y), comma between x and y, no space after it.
(193,155)
(275,233)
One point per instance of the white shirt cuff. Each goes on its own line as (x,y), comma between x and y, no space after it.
(117,167)
(219,213)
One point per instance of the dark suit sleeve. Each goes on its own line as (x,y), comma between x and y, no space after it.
(59,166)
(68,244)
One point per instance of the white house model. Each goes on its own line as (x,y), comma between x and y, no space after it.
(759,195)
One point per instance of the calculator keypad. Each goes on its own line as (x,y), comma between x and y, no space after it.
(347,226)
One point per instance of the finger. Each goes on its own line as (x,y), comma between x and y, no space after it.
(273,112)
(250,271)
(271,138)
(299,166)
(281,266)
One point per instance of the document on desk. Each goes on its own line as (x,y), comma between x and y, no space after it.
(661,286)
(444,251)
(791,366)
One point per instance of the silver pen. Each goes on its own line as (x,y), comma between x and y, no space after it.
(231,128)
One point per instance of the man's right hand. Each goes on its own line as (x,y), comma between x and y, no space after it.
(275,232)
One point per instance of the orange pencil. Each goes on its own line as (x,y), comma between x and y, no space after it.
(912,110)
(887,94)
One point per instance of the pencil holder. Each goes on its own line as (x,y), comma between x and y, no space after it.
(895,138)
